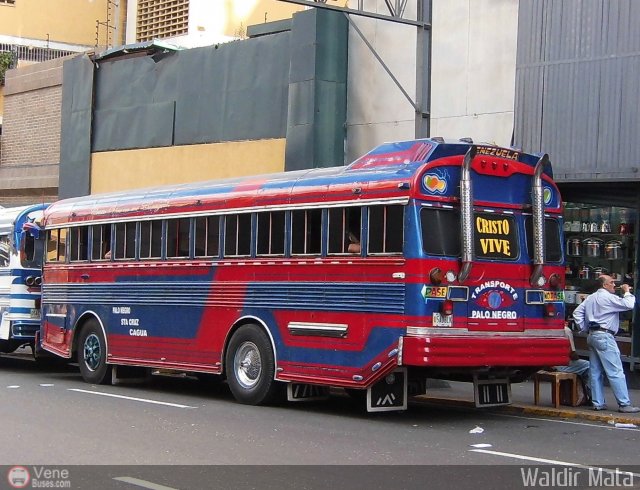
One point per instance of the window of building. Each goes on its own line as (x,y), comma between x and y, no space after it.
(7,2)
(306,232)
(158,19)
(270,238)
(100,242)
(125,241)
(78,243)
(207,236)
(237,235)
(345,226)
(386,229)
(151,239)
(56,245)
(178,237)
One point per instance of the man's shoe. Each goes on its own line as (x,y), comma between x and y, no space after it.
(628,409)
(598,409)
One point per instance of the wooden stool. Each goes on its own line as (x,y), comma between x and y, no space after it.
(556,379)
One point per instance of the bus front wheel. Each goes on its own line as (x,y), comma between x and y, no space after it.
(92,355)
(250,367)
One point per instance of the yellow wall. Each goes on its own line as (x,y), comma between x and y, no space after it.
(66,21)
(133,169)
(254,11)
(251,12)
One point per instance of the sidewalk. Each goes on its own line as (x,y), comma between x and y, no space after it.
(461,394)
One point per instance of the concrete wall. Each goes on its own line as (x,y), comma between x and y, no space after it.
(473,74)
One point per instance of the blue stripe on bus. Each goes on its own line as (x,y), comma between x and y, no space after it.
(330,296)
(19,311)
(380,340)
(27,296)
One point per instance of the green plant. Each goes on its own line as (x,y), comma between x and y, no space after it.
(6,60)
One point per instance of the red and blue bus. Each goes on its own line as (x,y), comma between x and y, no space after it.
(422,259)
(20,277)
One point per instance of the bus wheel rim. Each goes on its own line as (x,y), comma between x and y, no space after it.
(248,365)
(92,352)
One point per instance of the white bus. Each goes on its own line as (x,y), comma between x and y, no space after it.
(20,278)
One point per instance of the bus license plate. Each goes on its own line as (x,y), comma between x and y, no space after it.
(35,313)
(440,320)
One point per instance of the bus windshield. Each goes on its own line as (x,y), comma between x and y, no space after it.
(437,237)
(495,237)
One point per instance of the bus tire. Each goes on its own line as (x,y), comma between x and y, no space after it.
(250,367)
(92,354)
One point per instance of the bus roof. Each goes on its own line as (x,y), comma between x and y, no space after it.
(9,216)
(377,176)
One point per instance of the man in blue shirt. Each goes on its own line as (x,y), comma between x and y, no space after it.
(598,315)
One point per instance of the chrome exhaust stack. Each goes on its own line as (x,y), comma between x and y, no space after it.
(537,203)
(466,215)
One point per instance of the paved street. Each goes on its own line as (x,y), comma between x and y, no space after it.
(55,419)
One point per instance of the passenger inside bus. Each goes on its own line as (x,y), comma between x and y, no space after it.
(354,243)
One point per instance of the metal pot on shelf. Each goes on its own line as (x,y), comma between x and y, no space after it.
(586,272)
(593,247)
(613,250)
(574,247)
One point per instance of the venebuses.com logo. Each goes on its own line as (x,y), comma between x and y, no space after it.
(18,476)
(38,477)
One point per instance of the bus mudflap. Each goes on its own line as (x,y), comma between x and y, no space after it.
(390,393)
(299,392)
(491,392)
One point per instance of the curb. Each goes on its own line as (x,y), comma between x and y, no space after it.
(607,417)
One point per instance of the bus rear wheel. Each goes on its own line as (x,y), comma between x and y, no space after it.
(250,367)
(92,355)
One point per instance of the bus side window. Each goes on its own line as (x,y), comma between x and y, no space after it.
(5,248)
(52,246)
(345,226)
(178,237)
(151,239)
(270,237)
(306,232)
(386,229)
(78,241)
(56,243)
(207,236)
(100,241)
(125,241)
(237,235)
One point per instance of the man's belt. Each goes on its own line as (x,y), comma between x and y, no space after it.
(600,329)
